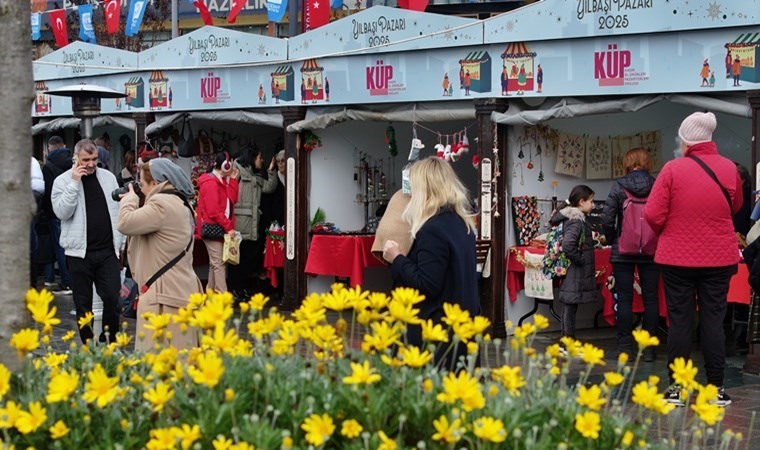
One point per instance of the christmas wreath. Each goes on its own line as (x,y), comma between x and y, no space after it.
(311,141)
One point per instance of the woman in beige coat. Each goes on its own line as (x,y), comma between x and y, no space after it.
(159,231)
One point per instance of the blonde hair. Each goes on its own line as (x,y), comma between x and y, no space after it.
(434,186)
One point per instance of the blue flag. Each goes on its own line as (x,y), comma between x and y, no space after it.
(36,19)
(336,4)
(135,16)
(276,10)
(86,31)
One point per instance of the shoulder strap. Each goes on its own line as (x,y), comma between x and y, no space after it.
(715,179)
(144,288)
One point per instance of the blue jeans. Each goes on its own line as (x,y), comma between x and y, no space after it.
(60,256)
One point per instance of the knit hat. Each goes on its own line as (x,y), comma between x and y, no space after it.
(697,128)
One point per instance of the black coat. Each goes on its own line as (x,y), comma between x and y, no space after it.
(579,285)
(273,206)
(58,161)
(639,183)
(752,259)
(441,265)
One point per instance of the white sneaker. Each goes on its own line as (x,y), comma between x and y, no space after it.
(48,284)
(73,312)
(63,291)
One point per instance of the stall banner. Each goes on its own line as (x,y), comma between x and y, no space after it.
(112,14)
(58,24)
(86,30)
(276,10)
(36,18)
(565,19)
(135,17)
(81,59)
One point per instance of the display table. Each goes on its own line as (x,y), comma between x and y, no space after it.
(738,291)
(341,256)
(274,258)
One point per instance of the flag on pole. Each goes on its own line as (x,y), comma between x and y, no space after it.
(237,6)
(86,30)
(58,24)
(315,14)
(36,18)
(336,4)
(113,14)
(205,14)
(135,17)
(276,10)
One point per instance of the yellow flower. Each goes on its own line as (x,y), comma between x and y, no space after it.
(28,422)
(554,350)
(591,397)
(454,314)
(588,424)
(351,428)
(9,414)
(188,435)
(412,356)
(54,360)
(222,443)
(242,446)
(159,395)
(217,308)
(540,321)
(592,355)
(68,336)
(362,374)
(25,341)
(318,428)
(644,339)
(5,380)
(100,388)
(684,372)
(704,405)
(162,439)
(627,438)
(85,320)
(407,296)
(427,385)
(386,443)
(613,379)
(622,359)
(489,429)
(525,330)
(59,430)
(383,336)
(510,377)
(258,301)
(403,313)
(39,305)
(209,370)
(338,299)
(229,394)
(220,340)
(434,332)
(449,433)
(287,443)
(480,324)
(462,388)
(61,386)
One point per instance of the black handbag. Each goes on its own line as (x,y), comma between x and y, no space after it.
(186,147)
(212,231)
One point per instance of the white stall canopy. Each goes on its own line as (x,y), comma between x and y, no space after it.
(272,118)
(61,123)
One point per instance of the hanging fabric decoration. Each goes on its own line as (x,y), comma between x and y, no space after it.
(58,24)
(113,14)
(135,17)
(86,30)
(36,18)
(276,10)
(237,6)
(205,13)
(311,141)
(390,139)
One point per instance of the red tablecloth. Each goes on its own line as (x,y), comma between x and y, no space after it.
(274,258)
(344,256)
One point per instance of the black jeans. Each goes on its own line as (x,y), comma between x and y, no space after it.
(251,264)
(100,267)
(649,278)
(710,285)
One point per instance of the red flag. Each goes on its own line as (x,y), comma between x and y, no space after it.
(237,6)
(113,14)
(58,24)
(416,5)
(403,4)
(316,14)
(205,14)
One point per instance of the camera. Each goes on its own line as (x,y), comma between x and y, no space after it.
(116,194)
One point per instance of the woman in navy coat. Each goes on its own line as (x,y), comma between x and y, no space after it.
(441,263)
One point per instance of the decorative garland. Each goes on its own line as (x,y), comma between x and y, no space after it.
(528,265)
(311,140)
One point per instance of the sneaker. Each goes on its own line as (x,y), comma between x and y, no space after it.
(51,285)
(673,396)
(64,290)
(723,398)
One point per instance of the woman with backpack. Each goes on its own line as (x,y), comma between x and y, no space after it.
(632,248)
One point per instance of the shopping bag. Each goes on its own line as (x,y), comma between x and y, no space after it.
(231,250)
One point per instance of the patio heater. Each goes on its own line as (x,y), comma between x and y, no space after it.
(85,104)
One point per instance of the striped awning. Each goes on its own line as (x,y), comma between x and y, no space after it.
(311,65)
(475,57)
(133,81)
(746,39)
(157,75)
(40,86)
(517,50)
(283,70)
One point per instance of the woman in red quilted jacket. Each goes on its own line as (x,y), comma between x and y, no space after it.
(217,195)
(691,208)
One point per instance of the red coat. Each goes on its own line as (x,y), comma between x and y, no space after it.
(691,214)
(212,201)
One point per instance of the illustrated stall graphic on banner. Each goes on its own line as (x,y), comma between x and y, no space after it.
(159,92)
(518,62)
(312,82)
(283,87)
(41,98)
(743,53)
(134,88)
(475,72)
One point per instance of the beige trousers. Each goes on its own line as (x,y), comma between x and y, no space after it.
(217,277)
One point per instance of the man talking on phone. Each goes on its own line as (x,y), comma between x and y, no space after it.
(81,199)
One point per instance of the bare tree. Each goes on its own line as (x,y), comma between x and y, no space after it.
(16,202)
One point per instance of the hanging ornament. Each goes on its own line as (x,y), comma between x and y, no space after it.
(390,139)
(465,142)
(530,158)
(541,168)
(475,161)
(311,141)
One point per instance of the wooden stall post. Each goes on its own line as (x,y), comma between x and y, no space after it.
(296,211)
(492,289)
(142,120)
(752,363)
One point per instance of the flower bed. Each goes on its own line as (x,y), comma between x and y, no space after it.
(297,382)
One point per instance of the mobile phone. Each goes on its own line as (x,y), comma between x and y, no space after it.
(75,161)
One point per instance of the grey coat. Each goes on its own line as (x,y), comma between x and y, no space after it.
(579,286)
(247,208)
